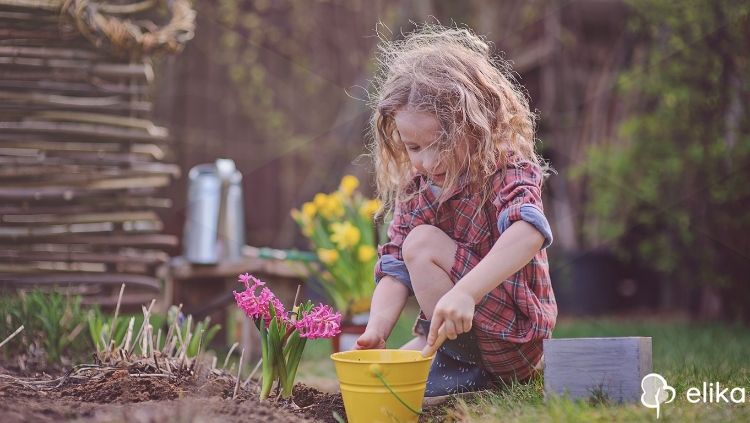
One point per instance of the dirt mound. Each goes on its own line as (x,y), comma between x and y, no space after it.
(120,386)
(123,396)
(318,405)
(118,395)
(182,410)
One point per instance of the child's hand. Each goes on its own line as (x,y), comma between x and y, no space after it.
(452,316)
(369,340)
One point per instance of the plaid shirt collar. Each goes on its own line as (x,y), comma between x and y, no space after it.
(427,193)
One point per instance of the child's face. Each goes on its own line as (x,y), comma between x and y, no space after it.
(420,131)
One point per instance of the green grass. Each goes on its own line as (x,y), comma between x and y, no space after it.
(686,354)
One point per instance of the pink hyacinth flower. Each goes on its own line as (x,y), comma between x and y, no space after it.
(320,322)
(244,278)
(258,306)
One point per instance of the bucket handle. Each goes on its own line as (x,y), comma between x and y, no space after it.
(376,371)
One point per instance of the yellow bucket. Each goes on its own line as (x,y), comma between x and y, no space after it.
(382,385)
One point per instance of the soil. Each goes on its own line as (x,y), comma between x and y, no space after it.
(120,395)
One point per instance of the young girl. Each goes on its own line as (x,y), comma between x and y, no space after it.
(453,145)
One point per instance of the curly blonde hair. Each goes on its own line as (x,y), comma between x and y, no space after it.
(448,72)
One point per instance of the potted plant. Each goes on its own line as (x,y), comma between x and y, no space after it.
(341,230)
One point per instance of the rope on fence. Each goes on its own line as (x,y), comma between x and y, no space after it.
(128,36)
(123,29)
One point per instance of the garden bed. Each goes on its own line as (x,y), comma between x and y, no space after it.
(108,394)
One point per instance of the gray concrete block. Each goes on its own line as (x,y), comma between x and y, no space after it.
(584,368)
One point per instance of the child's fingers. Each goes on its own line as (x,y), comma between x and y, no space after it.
(467,324)
(435,325)
(367,341)
(361,344)
(450,329)
(430,349)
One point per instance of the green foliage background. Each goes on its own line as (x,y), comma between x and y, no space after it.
(672,191)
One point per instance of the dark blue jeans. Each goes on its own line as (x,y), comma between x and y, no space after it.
(457,366)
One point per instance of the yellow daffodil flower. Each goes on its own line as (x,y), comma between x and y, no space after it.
(333,207)
(345,235)
(328,256)
(365,253)
(305,218)
(320,200)
(369,208)
(333,223)
(348,184)
(309,210)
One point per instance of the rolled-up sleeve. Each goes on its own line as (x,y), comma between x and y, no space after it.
(530,214)
(396,268)
(390,260)
(519,198)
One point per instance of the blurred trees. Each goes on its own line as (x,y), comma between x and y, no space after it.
(671,190)
(286,57)
(299,71)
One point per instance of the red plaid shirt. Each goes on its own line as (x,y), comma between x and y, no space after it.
(512,319)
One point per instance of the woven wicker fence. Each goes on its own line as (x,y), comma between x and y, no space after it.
(81,162)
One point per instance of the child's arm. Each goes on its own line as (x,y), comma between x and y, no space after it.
(393,282)
(454,312)
(388,301)
(513,250)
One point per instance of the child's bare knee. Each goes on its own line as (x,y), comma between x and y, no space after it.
(420,244)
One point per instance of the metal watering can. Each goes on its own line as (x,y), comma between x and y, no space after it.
(215,222)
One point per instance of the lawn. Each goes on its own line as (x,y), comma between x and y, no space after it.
(685,353)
